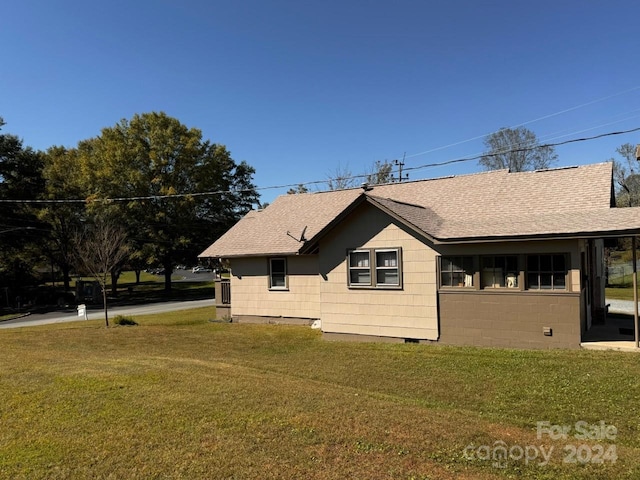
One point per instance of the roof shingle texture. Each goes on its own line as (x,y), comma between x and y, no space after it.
(495,204)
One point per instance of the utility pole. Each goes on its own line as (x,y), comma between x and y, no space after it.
(400,164)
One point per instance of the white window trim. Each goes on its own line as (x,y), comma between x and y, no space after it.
(368,267)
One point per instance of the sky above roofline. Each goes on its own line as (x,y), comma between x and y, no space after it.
(300,90)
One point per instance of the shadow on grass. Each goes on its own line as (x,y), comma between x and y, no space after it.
(145,292)
(154,292)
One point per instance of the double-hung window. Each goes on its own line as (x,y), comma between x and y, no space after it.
(374,268)
(278,274)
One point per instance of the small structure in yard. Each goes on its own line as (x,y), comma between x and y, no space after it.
(495,258)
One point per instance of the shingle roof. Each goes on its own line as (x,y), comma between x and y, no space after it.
(489,205)
(277,229)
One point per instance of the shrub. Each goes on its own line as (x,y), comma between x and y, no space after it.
(124,321)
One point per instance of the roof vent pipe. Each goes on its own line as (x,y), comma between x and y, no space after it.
(365,186)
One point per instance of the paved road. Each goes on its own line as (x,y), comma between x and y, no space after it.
(72,315)
(620,306)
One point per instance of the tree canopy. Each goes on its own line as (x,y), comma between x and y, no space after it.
(516,149)
(20,179)
(380,173)
(174,191)
(627,176)
(341,178)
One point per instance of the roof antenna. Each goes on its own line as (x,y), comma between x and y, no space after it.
(301,239)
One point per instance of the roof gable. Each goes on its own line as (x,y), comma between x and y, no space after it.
(283,227)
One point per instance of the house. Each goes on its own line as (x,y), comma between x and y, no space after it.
(493,258)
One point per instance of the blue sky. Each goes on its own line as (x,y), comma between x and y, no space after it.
(299,89)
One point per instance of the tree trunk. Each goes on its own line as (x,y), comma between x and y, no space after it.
(66,269)
(168,269)
(137,276)
(114,282)
(104,300)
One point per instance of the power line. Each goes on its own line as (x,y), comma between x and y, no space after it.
(544,117)
(523,149)
(315,182)
(557,135)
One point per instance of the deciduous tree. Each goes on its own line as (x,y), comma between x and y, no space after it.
(301,188)
(627,177)
(380,173)
(20,180)
(100,248)
(341,178)
(65,183)
(516,149)
(180,192)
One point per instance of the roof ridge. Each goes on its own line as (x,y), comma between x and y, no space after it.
(565,167)
(375,197)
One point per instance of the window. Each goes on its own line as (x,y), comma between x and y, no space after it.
(547,272)
(500,271)
(360,268)
(456,272)
(278,273)
(387,268)
(374,268)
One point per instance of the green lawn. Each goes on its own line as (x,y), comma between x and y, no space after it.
(619,293)
(181,397)
(151,288)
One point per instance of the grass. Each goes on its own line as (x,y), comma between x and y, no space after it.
(151,289)
(619,292)
(181,397)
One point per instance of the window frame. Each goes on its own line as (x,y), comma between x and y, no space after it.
(493,286)
(552,272)
(471,258)
(373,268)
(273,272)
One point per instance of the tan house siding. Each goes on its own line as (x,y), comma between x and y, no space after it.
(409,312)
(251,296)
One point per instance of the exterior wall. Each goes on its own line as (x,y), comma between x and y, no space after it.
(251,297)
(508,320)
(420,310)
(223,307)
(514,318)
(409,312)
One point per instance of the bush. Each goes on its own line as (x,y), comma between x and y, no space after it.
(124,321)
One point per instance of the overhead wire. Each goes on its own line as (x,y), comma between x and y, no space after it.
(314,182)
(554,136)
(528,122)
